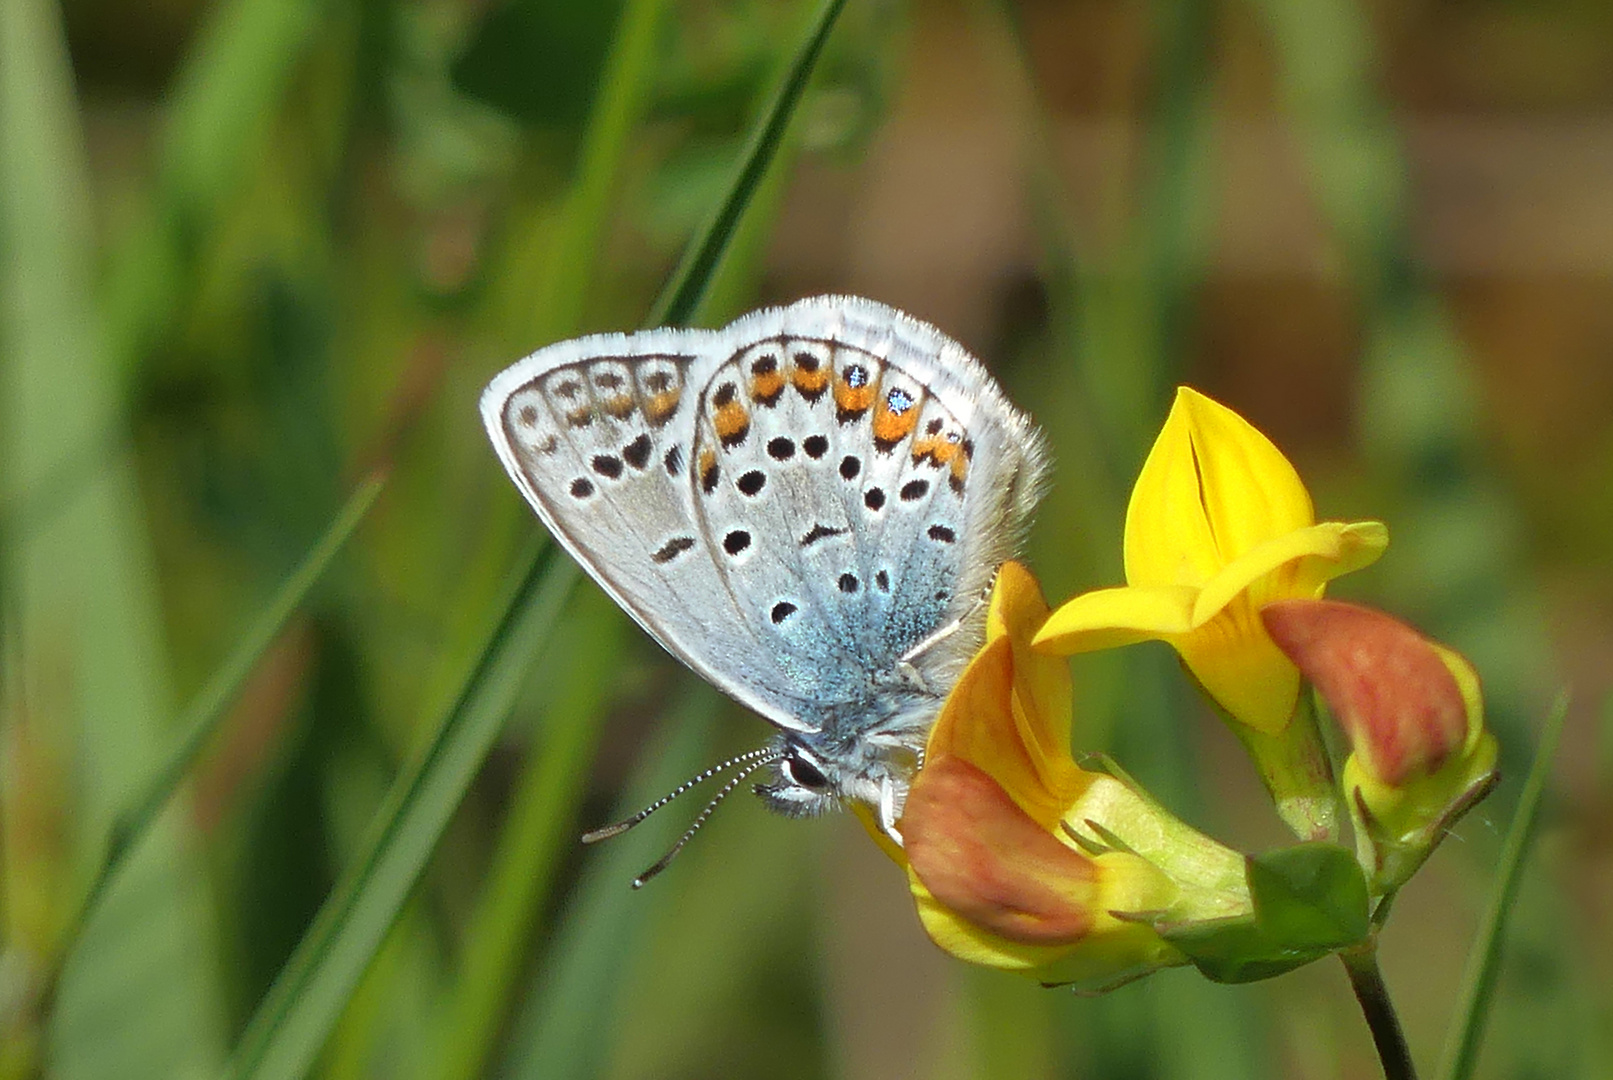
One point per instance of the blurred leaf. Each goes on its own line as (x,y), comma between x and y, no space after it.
(1484,961)
(629,71)
(540,61)
(567,1027)
(139,996)
(293,1020)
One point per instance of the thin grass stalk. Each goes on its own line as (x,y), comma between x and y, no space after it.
(678,302)
(567,1028)
(220,109)
(1466,1034)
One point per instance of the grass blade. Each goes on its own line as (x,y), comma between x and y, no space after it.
(538,828)
(211,706)
(292,1022)
(1484,962)
(84,620)
(220,112)
(566,1030)
(681,297)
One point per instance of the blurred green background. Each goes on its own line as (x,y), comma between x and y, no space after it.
(253,250)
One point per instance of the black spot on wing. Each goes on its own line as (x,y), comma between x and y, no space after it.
(915,489)
(637,452)
(818,532)
(672,549)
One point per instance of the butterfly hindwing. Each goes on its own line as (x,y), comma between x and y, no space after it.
(596,434)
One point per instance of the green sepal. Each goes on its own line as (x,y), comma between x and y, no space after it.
(1309,901)
(1310,895)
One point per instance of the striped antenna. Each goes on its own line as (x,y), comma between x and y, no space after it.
(716,800)
(605,833)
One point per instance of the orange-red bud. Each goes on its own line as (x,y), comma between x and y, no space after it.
(983,857)
(1387,685)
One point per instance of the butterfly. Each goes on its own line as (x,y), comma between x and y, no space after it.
(806,506)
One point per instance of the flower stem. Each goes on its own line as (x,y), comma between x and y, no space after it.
(1367,981)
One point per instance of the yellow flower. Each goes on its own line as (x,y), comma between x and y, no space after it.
(989,827)
(1219,525)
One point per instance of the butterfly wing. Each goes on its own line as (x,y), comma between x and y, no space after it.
(865,478)
(790,504)
(596,433)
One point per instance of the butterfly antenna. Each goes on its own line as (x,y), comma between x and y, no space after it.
(716,800)
(605,833)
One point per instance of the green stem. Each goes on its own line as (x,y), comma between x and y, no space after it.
(1366,979)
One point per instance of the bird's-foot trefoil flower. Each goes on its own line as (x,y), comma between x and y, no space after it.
(1414,716)
(1218,526)
(1020,859)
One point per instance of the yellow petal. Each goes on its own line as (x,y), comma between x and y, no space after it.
(1041,684)
(1108,618)
(1229,651)
(1212,489)
(977,725)
(1294,565)
(1238,664)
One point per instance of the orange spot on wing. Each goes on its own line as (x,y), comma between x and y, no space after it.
(708,469)
(938,449)
(731,422)
(891,427)
(960,469)
(661,406)
(767,387)
(810,383)
(618,405)
(853,399)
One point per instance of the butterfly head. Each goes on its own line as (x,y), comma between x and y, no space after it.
(813,775)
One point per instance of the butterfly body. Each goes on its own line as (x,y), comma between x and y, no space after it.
(805,506)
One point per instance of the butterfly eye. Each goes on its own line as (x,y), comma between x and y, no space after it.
(803,773)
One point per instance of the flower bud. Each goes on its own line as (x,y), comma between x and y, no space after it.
(1414,717)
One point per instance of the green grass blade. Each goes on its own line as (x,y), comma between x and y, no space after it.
(211,706)
(566,1030)
(219,114)
(679,300)
(625,85)
(539,827)
(84,620)
(295,1017)
(1484,962)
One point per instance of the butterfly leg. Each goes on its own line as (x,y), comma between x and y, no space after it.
(887,810)
(912,677)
